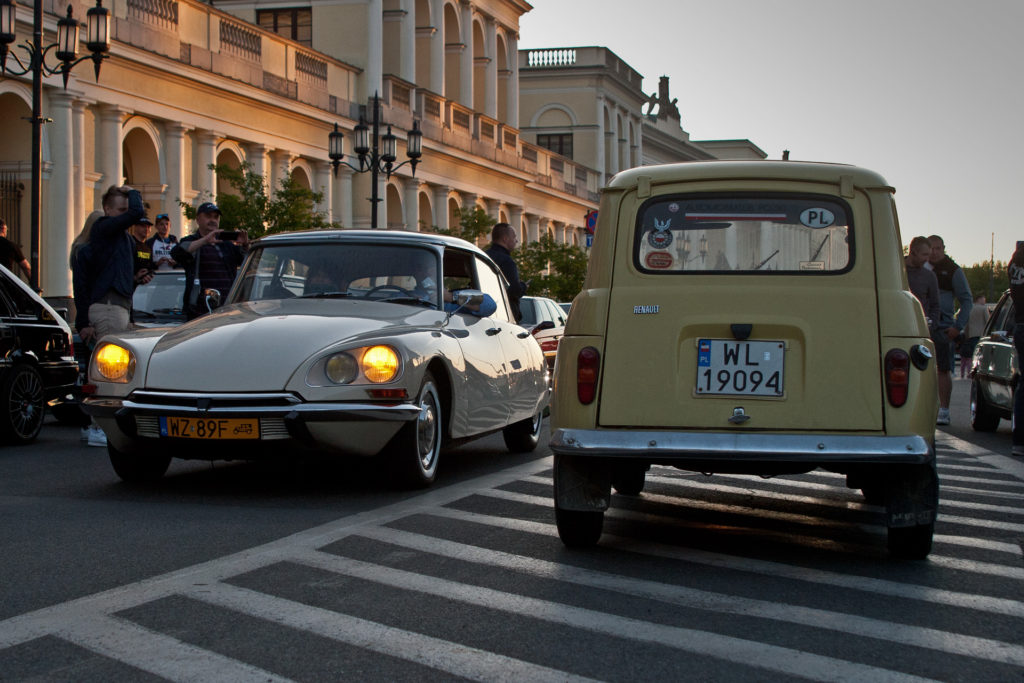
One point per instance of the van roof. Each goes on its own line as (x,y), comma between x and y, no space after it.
(768,170)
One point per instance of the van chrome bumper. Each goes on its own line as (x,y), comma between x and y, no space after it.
(741,447)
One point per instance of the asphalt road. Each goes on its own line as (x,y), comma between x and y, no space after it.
(259,572)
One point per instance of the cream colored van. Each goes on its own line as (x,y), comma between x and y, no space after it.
(747,317)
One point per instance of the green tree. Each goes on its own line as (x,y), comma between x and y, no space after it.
(290,208)
(566,267)
(472,225)
(980,275)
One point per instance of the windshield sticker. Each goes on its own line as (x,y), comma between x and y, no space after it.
(661,236)
(817,218)
(659,259)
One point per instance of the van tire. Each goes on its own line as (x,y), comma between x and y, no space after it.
(983,419)
(628,478)
(911,542)
(579,528)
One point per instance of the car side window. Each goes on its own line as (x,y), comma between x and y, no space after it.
(491,285)
(21,302)
(1002,316)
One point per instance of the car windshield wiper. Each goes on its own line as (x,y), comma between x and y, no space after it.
(326,295)
(408,300)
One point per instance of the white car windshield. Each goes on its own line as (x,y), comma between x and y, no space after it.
(398,273)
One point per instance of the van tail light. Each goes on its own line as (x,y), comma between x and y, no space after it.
(897,376)
(588,364)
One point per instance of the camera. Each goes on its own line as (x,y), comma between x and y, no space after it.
(228,235)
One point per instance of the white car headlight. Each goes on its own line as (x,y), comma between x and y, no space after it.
(113,363)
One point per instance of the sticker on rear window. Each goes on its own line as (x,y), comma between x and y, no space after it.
(817,218)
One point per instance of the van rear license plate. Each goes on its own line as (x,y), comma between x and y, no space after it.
(739,368)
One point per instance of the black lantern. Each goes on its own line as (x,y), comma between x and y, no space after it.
(376,153)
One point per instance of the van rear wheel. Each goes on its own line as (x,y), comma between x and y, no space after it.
(628,478)
(579,528)
(911,542)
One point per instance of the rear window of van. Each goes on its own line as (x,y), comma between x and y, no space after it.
(743,234)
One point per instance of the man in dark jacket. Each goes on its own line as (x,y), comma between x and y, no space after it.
(111,278)
(504,240)
(209,259)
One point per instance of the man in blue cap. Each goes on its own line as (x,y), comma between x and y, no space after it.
(210,257)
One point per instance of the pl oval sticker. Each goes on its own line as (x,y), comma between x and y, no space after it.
(817,218)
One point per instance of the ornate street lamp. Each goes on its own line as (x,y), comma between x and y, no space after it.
(66,50)
(376,154)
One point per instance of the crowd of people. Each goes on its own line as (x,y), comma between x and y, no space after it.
(956,318)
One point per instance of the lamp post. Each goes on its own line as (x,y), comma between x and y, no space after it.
(376,155)
(98,44)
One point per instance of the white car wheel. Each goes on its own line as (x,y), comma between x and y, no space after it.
(418,447)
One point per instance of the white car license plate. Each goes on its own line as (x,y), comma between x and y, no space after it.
(740,368)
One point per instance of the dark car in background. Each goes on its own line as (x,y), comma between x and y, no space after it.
(994,369)
(545,320)
(37,359)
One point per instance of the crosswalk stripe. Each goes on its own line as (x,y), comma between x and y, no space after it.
(926,594)
(724,647)
(935,559)
(906,634)
(157,653)
(458,660)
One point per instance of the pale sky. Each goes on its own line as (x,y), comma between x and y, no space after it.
(928,93)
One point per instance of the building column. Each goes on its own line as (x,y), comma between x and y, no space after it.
(374,74)
(341,197)
(532,227)
(466,58)
(78,173)
(111,151)
(322,183)
(407,69)
(437,52)
(280,164)
(412,204)
(441,207)
(205,179)
(174,155)
(512,84)
(515,219)
(58,230)
(256,156)
(491,68)
(600,143)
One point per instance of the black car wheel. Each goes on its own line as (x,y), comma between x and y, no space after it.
(523,436)
(912,542)
(418,445)
(23,404)
(138,469)
(983,418)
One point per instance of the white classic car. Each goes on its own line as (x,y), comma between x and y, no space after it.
(330,342)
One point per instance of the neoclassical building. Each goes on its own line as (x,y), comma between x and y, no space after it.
(191,84)
(587,104)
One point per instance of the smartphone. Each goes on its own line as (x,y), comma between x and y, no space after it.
(228,235)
